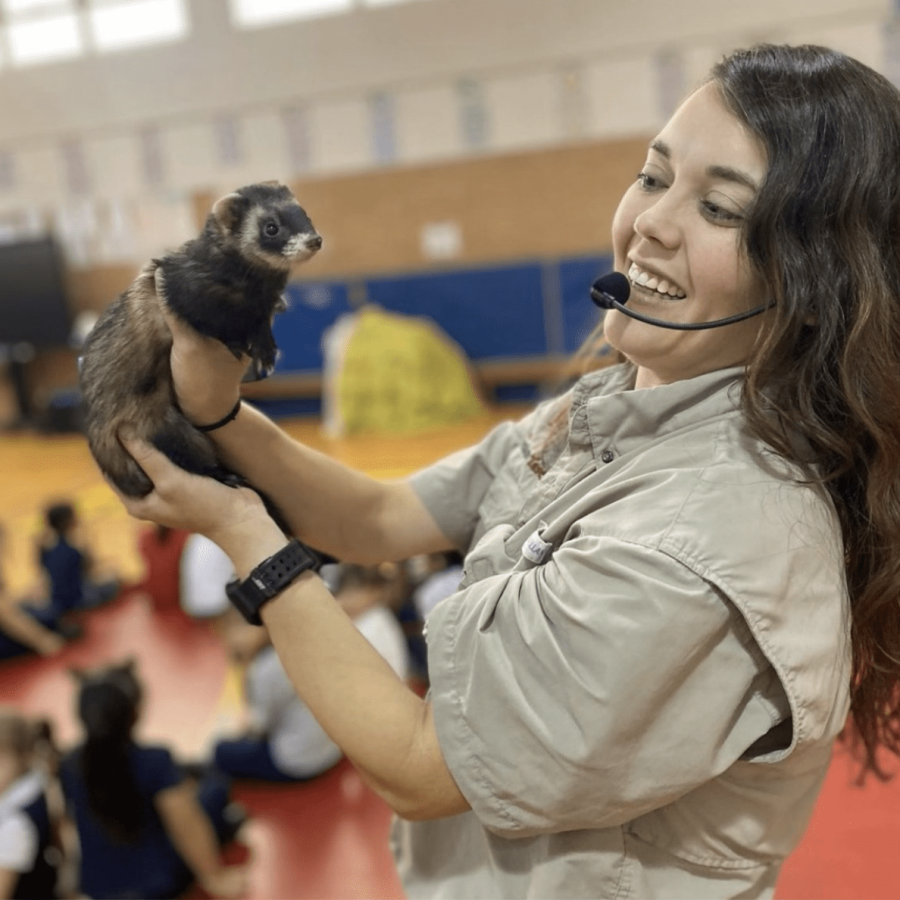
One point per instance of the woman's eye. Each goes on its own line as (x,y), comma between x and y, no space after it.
(648,182)
(271,229)
(719,214)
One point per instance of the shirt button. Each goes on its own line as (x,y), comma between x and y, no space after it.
(607,456)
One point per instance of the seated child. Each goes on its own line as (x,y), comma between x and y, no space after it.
(145,831)
(29,853)
(160,549)
(24,630)
(69,565)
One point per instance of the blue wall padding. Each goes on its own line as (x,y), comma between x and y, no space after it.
(579,314)
(299,406)
(497,311)
(490,311)
(313,307)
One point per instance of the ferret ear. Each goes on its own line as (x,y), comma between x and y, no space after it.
(227,210)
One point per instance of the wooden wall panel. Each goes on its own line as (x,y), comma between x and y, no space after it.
(556,202)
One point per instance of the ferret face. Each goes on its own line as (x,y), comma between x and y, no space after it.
(283,234)
(268,224)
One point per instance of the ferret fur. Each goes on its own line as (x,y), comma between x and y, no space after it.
(227,283)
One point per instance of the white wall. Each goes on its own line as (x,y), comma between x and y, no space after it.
(546,72)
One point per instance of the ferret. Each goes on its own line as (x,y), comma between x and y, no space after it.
(228,283)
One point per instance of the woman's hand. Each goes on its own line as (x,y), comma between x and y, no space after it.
(206,373)
(234,518)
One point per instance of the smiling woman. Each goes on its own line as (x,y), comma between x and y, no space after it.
(679,575)
(677,233)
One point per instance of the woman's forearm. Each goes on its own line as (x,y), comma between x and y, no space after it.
(327,504)
(382,726)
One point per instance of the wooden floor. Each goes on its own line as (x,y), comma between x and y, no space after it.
(328,838)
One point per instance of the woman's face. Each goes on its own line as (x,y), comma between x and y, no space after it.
(676,235)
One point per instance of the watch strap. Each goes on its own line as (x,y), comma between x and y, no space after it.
(271,577)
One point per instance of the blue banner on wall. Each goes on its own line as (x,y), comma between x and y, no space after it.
(491,311)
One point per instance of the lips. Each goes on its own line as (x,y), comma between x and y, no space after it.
(656,283)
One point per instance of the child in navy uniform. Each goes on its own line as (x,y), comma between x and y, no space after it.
(145,831)
(69,565)
(29,851)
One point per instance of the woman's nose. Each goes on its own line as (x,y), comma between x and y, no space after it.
(660,221)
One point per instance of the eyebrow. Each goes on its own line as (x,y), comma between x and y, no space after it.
(720,173)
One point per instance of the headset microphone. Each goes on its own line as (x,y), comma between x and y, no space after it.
(612,291)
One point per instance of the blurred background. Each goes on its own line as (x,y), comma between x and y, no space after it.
(461,158)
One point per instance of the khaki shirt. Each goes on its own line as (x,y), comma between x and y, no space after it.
(639,681)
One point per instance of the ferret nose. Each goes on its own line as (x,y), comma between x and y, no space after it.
(314,243)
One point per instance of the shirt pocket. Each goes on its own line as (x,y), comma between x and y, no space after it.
(488,557)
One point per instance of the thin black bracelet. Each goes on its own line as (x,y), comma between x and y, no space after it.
(230,417)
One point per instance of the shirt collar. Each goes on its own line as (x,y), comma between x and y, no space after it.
(605,404)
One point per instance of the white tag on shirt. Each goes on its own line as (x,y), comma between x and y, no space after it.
(535,549)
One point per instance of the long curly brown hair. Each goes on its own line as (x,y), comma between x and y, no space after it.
(824,233)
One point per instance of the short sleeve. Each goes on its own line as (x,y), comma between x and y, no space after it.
(453,488)
(18,843)
(155,770)
(589,690)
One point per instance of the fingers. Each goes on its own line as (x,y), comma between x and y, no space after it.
(145,455)
(164,474)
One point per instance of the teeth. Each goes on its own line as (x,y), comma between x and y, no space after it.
(653,283)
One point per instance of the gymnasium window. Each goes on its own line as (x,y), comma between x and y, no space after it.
(117,24)
(262,13)
(40,31)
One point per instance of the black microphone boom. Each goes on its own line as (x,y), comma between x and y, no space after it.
(612,292)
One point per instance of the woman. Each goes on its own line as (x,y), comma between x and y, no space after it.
(678,575)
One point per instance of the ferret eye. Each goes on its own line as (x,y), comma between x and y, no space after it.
(271,229)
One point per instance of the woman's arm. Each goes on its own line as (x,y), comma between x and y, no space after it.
(330,506)
(192,834)
(385,729)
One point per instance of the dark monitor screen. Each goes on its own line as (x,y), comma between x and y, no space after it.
(34,306)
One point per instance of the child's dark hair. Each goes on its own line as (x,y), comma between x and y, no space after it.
(108,703)
(60,516)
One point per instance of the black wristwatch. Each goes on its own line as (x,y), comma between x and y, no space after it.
(271,577)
